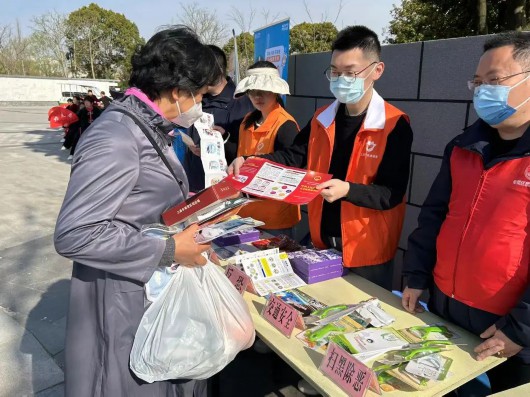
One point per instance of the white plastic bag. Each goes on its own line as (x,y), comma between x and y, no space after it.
(194,329)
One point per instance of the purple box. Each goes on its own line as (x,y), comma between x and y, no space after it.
(312,279)
(313,262)
(241,237)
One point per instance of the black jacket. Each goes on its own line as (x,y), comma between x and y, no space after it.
(228,113)
(420,257)
(84,118)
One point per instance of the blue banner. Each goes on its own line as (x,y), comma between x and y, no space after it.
(271,43)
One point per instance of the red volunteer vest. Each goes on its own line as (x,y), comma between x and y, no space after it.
(483,248)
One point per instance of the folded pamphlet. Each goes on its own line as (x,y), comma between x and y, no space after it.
(269,180)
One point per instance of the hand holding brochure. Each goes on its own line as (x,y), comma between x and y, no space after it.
(266,179)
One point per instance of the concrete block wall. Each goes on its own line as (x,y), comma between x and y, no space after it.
(428,81)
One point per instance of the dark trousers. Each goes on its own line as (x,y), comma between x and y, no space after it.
(381,275)
(75,140)
(513,372)
(69,138)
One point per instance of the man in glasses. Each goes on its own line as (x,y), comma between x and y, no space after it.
(472,245)
(365,143)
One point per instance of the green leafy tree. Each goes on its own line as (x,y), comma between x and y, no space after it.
(312,37)
(245,51)
(101,42)
(418,20)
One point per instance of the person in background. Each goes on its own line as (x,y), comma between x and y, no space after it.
(118,184)
(104,100)
(74,106)
(265,130)
(227,111)
(87,115)
(90,95)
(72,131)
(365,143)
(472,245)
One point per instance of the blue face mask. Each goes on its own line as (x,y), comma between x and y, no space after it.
(491,102)
(347,91)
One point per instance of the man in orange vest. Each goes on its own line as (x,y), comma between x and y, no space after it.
(365,143)
(472,245)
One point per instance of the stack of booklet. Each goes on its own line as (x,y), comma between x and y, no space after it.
(214,209)
(314,266)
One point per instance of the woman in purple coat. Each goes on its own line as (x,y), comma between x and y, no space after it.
(118,183)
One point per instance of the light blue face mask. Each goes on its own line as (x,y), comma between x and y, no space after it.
(491,102)
(348,91)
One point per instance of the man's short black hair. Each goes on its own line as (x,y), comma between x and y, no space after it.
(220,56)
(520,42)
(174,58)
(102,93)
(358,37)
(90,91)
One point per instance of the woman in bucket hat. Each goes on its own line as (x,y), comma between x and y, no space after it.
(266,129)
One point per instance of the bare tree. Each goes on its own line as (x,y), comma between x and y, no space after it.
(50,31)
(269,18)
(325,16)
(20,45)
(482,8)
(13,50)
(242,21)
(5,42)
(205,23)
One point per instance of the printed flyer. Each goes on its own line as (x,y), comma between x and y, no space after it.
(266,179)
(270,271)
(212,150)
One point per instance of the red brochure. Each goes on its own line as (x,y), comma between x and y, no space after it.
(269,180)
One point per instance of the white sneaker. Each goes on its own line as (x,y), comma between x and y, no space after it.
(63,148)
(306,388)
(62,140)
(70,157)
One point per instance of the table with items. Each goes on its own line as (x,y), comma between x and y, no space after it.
(347,336)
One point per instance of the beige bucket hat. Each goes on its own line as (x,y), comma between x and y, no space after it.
(264,79)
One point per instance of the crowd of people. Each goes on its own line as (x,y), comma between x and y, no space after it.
(125,174)
(87,110)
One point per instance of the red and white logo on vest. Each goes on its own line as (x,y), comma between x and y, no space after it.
(524,183)
(370,146)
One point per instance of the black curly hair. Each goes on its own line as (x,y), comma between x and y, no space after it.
(174,58)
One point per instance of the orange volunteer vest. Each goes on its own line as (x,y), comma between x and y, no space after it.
(255,141)
(369,237)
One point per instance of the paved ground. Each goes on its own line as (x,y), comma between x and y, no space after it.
(34,280)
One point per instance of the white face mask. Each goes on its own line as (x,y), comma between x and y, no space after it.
(190,116)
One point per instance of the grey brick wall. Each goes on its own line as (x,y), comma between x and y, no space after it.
(428,81)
